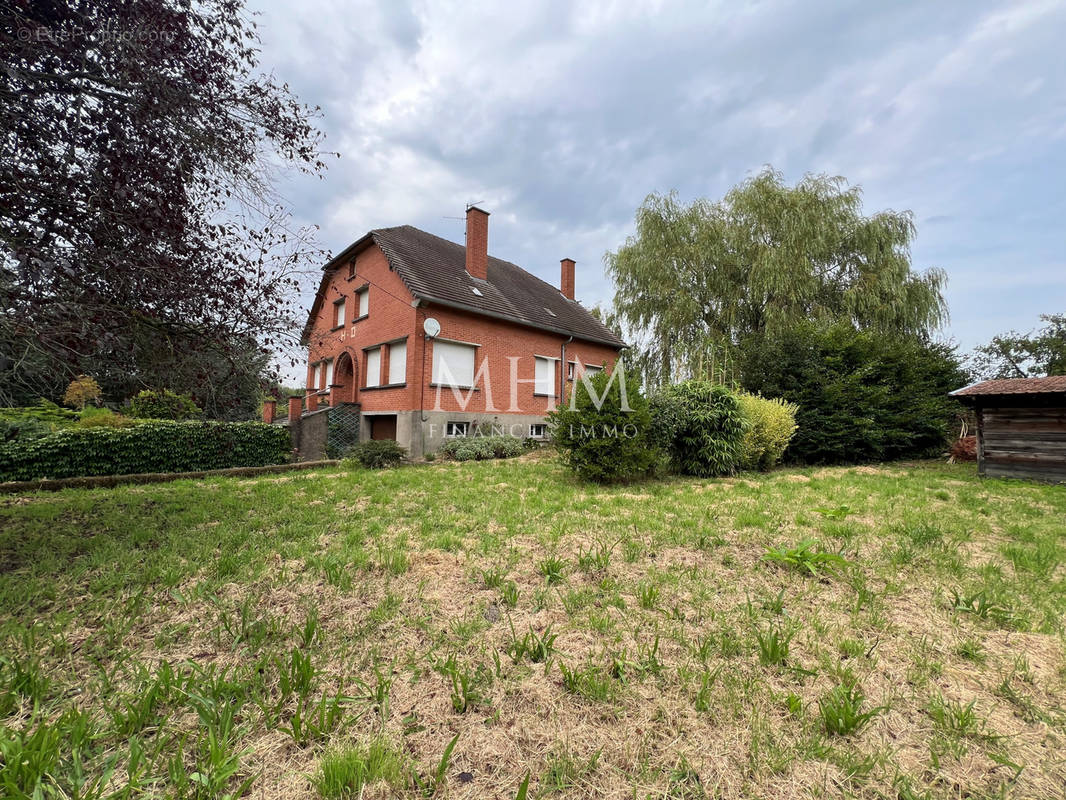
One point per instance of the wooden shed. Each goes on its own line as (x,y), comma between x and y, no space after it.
(1021,427)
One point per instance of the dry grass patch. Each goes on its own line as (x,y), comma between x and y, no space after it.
(604,642)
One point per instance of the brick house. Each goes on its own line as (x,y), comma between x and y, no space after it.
(428,339)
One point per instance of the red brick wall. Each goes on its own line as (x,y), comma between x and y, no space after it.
(498,340)
(567,269)
(392,316)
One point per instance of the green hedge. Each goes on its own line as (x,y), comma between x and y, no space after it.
(862,395)
(701,426)
(155,446)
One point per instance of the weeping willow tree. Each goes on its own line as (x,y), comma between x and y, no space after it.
(696,280)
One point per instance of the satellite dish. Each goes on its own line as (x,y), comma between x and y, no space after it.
(431,327)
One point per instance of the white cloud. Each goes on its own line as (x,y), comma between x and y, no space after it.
(561,117)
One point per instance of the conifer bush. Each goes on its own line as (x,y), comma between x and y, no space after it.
(605,435)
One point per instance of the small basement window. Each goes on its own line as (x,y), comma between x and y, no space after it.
(538,431)
(453,429)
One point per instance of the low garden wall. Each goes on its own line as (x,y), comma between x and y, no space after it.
(106,481)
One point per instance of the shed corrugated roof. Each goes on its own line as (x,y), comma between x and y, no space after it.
(1054,384)
(434,269)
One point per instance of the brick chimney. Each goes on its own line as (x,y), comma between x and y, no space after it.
(477,242)
(566,280)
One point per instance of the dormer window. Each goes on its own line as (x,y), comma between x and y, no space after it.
(477,291)
(550,312)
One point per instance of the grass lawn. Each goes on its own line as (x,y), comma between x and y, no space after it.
(452,629)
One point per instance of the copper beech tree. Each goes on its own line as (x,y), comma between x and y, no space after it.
(137,223)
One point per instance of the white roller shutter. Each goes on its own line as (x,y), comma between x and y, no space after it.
(453,364)
(545,376)
(398,363)
(373,367)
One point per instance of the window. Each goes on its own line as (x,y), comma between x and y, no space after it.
(453,364)
(538,431)
(373,367)
(329,373)
(579,369)
(545,376)
(398,363)
(338,313)
(364,302)
(351,270)
(313,381)
(453,429)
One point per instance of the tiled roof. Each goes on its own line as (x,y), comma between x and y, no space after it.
(1056,383)
(434,269)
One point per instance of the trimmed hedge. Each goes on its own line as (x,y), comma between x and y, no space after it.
(154,446)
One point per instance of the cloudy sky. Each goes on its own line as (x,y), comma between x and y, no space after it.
(559,118)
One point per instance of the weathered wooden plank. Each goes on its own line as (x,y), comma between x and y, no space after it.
(1000,457)
(1001,471)
(1034,446)
(1047,436)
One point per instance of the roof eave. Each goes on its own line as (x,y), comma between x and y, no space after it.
(620,345)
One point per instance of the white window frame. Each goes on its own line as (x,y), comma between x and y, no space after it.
(586,369)
(397,366)
(373,365)
(364,302)
(450,433)
(329,372)
(338,313)
(543,433)
(440,348)
(544,385)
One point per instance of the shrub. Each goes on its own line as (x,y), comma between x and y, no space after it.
(81,391)
(378,453)
(700,425)
(964,449)
(600,439)
(163,404)
(769,426)
(50,414)
(152,446)
(25,428)
(506,446)
(104,418)
(478,448)
(862,395)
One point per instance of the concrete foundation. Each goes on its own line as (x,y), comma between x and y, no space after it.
(422,433)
